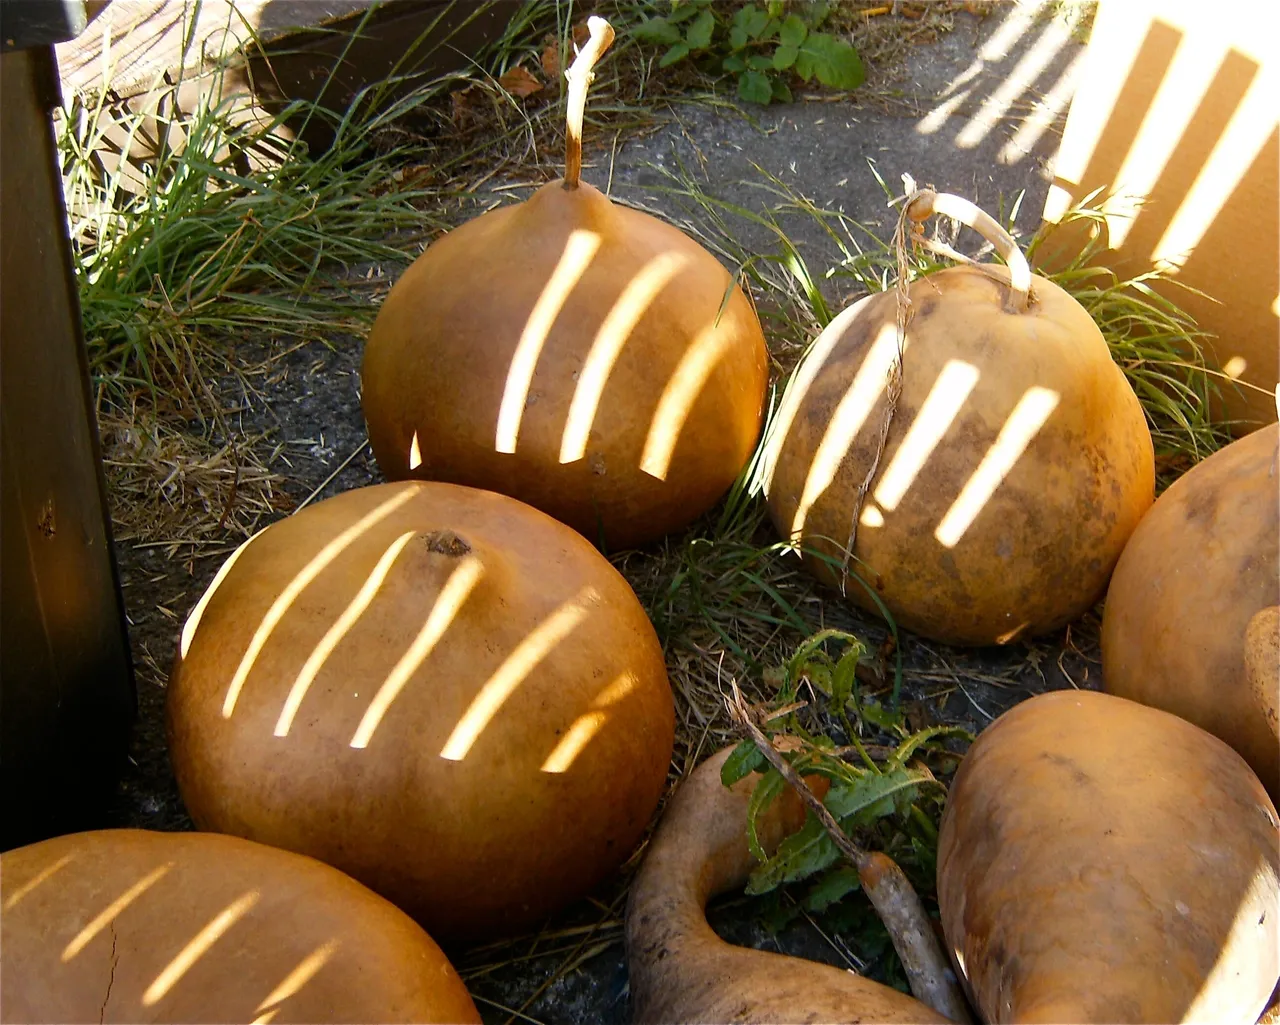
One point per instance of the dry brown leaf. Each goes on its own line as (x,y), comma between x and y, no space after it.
(520,83)
(464,103)
(551,59)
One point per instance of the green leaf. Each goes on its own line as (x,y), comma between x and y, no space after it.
(760,62)
(755,22)
(834,886)
(909,746)
(832,62)
(734,63)
(685,11)
(737,37)
(874,796)
(657,30)
(745,760)
(678,52)
(770,786)
(754,87)
(781,91)
(784,56)
(876,714)
(793,31)
(775,8)
(799,856)
(816,12)
(845,676)
(698,34)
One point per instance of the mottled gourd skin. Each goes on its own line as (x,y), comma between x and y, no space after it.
(1102,861)
(1202,564)
(466,709)
(96,926)
(682,972)
(1039,552)
(643,403)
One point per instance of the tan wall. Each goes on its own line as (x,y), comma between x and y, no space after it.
(1176,114)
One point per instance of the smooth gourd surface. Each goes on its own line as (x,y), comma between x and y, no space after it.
(1017,464)
(681,971)
(1202,564)
(128,925)
(1102,861)
(583,357)
(443,692)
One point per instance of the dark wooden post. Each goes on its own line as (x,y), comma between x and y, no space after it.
(66,682)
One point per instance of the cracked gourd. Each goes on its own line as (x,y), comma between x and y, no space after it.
(581,356)
(129,925)
(1017,462)
(1102,861)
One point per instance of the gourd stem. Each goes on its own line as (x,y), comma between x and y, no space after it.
(926,202)
(579,77)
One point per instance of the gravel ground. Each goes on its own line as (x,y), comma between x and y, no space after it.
(819,148)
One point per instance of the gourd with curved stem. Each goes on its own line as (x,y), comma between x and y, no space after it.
(682,972)
(963,450)
(581,356)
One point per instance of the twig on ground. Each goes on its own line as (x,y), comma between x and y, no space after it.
(886,886)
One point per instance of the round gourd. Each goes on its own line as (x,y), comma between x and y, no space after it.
(581,356)
(1017,461)
(125,925)
(681,971)
(441,691)
(1102,861)
(1201,565)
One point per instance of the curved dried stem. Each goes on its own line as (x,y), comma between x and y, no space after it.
(924,203)
(579,76)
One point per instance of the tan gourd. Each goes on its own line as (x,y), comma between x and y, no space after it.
(441,691)
(1016,463)
(1102,861)
(126,925)
(581,356)
(682,972)
(1202,564)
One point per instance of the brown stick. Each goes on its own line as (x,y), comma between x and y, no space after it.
(928,971)
(579,77)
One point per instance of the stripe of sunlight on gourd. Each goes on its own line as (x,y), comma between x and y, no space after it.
(292,984)
(587,725)
(507,678)
(1243,934)
(937,413)
(709,346)
(1015,25)
(1029,415)
(198,946)
(579,249)
(112,911)
(626,313)
(850,415)
(453,595)
(1048,44)
(318,563)
(43,876)
(793,396)
(340,628)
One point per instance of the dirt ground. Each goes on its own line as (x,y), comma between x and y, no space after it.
(979,146)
